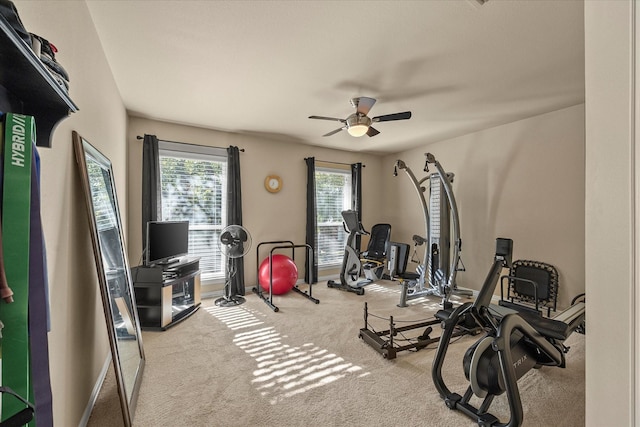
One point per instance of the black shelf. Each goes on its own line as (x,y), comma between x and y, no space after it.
(162,302)
(28,88)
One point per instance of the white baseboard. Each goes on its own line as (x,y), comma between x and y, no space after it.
(212,294)
(330,277)
(95,392)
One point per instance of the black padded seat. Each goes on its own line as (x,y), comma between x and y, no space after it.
(378,242)
(402,258)
(549,328)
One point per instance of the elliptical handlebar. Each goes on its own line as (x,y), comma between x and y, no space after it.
(351,223)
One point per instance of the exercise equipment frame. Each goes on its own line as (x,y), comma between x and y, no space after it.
(442,281)
(280,244)
(383,341)
(352,262)
(512,345)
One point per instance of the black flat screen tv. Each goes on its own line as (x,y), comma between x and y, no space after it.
(166,241)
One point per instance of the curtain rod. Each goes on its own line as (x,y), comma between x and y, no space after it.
(188,143)
(336,163)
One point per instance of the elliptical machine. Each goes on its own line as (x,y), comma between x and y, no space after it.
(370,262)
(512,345)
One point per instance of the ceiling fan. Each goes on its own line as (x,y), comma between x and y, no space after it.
(358,123)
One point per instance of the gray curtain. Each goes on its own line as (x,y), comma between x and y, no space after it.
(356,195)
(234,216)
(151,196)
(311,265)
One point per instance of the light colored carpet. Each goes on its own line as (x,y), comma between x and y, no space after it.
(306,366)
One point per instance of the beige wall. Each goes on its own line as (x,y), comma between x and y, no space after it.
(523,180)
(78,344)
(611,206)
(267,216)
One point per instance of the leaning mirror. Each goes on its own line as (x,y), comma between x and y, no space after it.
(114,276)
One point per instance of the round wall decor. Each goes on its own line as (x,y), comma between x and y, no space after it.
(273,183)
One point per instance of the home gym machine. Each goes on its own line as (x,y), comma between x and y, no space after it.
(437,273)
(438,267)
(371,262)
(513,344)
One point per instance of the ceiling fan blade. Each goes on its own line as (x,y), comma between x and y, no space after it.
(372,131)
(363,104)
(328,118)
(389,117)
(333,132)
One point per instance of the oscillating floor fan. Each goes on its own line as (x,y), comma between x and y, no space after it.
(234,242)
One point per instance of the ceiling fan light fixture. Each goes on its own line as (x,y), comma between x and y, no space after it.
(357,130)
(358,124)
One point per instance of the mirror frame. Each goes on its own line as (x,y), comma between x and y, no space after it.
(84,149)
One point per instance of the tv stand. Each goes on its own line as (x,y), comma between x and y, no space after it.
(170,263)
(166,294)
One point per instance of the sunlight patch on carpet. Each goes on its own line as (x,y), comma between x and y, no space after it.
(430,303)
(283,370)
(374,287)
(234,317)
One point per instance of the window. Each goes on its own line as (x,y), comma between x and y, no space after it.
(193,181)
(333,195)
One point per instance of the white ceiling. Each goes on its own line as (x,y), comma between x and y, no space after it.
(263,66)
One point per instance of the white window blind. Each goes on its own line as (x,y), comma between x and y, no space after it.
(102,202)
(105,215)
(194,188)
(333,195)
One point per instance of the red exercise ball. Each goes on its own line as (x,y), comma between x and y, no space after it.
(284,274)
